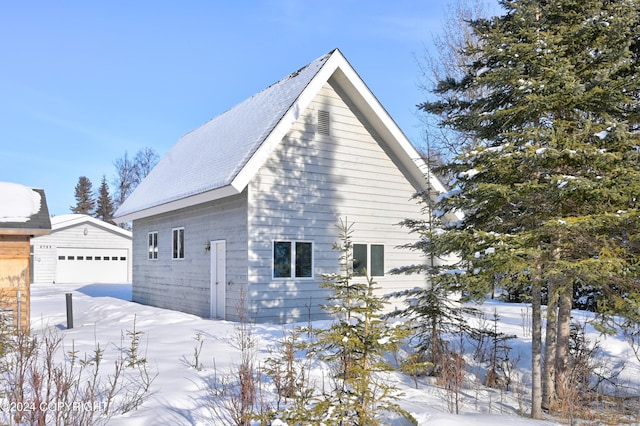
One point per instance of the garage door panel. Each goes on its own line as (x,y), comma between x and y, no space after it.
(76,265)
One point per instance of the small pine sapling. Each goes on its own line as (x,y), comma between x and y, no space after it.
(355,345)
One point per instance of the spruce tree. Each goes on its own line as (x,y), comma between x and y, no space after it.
(355,345)
(432,310)
(550,191)
(104,209)
(85,201)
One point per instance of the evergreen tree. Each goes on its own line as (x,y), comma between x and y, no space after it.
(355,345)
(104,209)
(432,310)
(550,191)
(85,201)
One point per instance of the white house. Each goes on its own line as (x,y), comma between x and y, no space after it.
(81,248)
(242,213)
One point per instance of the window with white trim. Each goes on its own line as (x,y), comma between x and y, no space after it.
(153,245)
(178,243)
(368,259)
(292,259)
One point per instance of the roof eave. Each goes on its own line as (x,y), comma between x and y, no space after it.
(359,93)
(24,231)
(96,222)
(193,200)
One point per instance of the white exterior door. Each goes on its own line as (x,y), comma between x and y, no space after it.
(218,278)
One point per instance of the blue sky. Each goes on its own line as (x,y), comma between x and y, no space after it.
(81,82)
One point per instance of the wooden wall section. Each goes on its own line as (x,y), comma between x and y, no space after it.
(14,279)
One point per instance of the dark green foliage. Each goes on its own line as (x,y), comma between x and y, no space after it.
(104,209)
(550,190)
(85,201)
(556,177)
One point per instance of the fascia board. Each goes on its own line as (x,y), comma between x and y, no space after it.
(193,200)
(294,112)
(377,115)
(88,219)
(24,231)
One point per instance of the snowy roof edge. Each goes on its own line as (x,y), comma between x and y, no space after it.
(232,184)
(67,220)
(327,66)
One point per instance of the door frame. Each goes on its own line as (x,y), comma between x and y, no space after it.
(218,279)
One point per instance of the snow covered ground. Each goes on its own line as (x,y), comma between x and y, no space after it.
(104,314)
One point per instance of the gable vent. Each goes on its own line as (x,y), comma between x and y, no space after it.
(324,124)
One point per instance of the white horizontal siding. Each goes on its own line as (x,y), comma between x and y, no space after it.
(302,191)
(184,284)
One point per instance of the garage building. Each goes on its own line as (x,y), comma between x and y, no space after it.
(81,249)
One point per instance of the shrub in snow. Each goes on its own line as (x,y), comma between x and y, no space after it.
(36,387)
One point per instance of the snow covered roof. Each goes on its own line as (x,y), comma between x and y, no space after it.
(219,158)
(68,220)
(23,210)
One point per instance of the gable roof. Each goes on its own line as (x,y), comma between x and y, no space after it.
(23,210)
(219,158)
(65,221)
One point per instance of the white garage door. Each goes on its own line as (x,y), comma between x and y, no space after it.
(91,265)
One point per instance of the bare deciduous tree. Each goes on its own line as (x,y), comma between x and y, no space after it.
(446,61)
(131,171)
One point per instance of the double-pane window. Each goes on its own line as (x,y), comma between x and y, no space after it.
(292,259)
(368,259)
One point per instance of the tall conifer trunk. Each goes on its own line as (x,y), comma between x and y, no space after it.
(536,346)
(548,373)
(562,347)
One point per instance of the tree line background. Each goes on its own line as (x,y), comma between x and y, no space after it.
(103,203)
